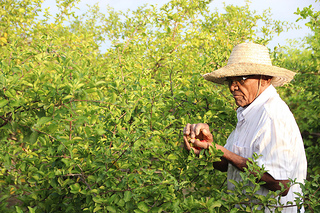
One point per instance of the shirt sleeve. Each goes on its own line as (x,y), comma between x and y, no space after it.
(230,140)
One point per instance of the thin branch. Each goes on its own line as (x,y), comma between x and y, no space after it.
(101,102)
(123,152)
(151,112)
(50,136)
(6,120)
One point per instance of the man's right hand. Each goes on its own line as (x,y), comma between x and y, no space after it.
(197,134)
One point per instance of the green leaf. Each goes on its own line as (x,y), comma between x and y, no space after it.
(91,90)
(121,203)
(234,210)
(18,209)
(100,82)
(97,208)
(127,196)
(143,206)
(172,157)
(127,117)
(68,97)
(33,137)
(114,97)
(32,210)
(111,209)
(100,131)
(44,120)
(75,188)
(97,199)
(216,203)
(3,102)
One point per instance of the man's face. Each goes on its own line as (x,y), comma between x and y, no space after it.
(244,91)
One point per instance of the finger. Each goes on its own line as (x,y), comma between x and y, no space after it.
(200,128)
(188,147)
(196,151)
(202,144)
(192,129)
(207,135)
(205,132)
(186,143)
(186,129)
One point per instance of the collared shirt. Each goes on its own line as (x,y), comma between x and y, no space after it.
(267,127)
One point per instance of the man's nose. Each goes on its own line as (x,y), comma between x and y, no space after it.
(233,86)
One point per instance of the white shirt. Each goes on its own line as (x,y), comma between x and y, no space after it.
(268,128)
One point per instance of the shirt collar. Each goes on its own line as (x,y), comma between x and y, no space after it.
(243,112)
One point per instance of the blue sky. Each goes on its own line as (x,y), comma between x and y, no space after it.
(282,10)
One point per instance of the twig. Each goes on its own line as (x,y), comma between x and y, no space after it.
(50,136)
(6,120)
(123,152)
(151,112)
(101,102)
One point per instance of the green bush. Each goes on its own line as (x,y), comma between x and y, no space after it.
(87,131)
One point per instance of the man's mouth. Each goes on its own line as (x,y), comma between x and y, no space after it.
(237,95)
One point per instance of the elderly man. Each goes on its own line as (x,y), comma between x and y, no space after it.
(265,125)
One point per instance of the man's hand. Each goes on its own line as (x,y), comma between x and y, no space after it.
(198,135)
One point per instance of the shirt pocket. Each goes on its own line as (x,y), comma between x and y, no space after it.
(245,152)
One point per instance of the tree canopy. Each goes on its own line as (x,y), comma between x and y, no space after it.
(91,131)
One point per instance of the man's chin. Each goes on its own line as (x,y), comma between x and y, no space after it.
(240,103)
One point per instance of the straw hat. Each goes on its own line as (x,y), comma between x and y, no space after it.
(250,59)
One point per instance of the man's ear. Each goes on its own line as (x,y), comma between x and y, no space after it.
(265,82)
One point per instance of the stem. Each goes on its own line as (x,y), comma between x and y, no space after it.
(70,128)
(50,136)
(151,112)
(123,153)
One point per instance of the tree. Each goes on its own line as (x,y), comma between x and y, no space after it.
(88,131)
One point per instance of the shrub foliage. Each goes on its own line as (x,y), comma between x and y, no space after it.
(100,131)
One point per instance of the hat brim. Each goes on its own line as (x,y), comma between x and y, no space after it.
(280,76)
